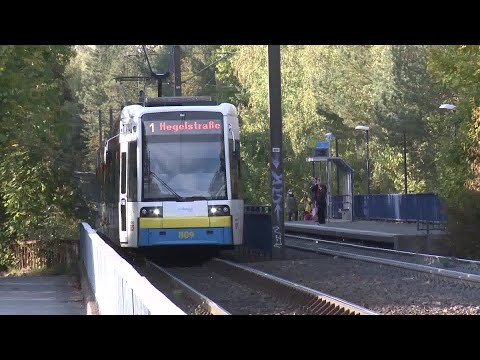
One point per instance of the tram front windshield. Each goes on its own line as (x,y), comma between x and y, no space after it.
(183,160)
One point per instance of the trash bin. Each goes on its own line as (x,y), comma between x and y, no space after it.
(346,214)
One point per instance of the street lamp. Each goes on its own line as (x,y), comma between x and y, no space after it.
(366,128)
(329,138)
(447,106)
(405,177)
(450,107)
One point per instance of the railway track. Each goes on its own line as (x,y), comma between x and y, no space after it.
(221,287)
(380,287)
(179,291)
(284,297)
(453,268)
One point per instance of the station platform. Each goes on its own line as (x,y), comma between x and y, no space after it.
(40,295)
(397,235)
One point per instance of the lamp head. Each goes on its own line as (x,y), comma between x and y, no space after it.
(362,127)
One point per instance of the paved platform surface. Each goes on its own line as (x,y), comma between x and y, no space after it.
(401,236)
(40,295)
(385,227)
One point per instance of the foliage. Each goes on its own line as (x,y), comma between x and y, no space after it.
(457,68)
(99,84)
(38,151)
(7,258)
(51,98)
(463,224)
(333,89)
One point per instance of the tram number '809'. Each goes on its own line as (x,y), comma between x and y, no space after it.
(186,234)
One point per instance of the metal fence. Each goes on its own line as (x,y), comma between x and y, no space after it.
(36,255)
(425,207)
(119,289)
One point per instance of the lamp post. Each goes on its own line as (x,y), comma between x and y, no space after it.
(447,106)
(450,107)
(405,176)
(329,138)
(366,129)
(405,179)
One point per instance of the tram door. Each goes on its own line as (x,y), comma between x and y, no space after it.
(123,193)
(128,188)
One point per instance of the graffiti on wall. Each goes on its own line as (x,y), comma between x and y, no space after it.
(277,196)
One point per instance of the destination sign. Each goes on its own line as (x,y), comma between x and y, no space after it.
(176,127)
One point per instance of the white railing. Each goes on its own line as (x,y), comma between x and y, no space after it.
(118,288)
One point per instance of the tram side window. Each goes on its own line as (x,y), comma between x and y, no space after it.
(124,173)
(113,168)
(116,176)
(132,171)
(235,174)
(99,174)
(109,177)
(99,187)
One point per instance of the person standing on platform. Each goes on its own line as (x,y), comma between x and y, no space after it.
(292,207)
(322,204)
(307,206)
(319,193)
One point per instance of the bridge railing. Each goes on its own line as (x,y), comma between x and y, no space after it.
(119,289)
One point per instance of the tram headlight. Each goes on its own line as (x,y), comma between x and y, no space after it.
(155,211)
(218,210)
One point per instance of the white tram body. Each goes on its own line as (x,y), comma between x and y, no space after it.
(170,175)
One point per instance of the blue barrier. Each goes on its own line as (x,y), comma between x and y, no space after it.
(425,207)
(257,228)
(431,208)
(399,207)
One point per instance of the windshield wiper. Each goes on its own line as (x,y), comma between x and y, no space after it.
(196,197)
(168,187)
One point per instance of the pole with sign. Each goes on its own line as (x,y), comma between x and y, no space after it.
(276,165)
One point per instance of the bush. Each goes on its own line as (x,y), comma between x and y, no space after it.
(7,258)
(463,224)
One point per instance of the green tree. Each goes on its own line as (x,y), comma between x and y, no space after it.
(37,115)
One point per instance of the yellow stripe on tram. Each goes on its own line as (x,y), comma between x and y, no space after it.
(151,223)
(221,221)
(185,222)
